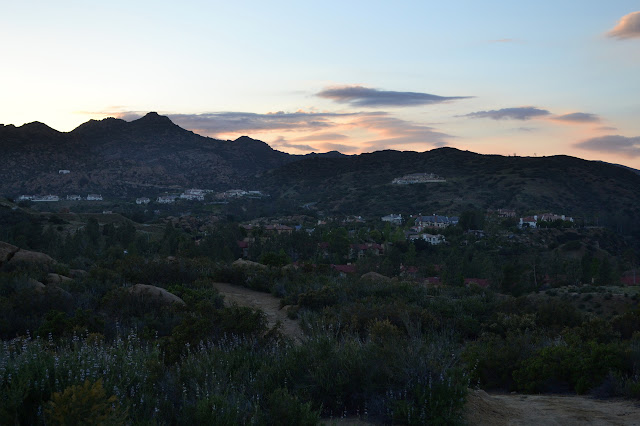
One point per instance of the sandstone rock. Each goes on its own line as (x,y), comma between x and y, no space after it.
(154,293)
(78,273)
(56,279)
(6,251)
(241,263)
(32,284)
(27,256)
(375,277)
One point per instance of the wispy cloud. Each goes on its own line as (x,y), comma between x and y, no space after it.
(360,96)
(628,27)
(321,137)
(614,144)
(234,122)
(518,113)
(281,142)
(343,148)
(605,128)
(220,123)
(502,40)
(577,117)
(312,131)
(393,131)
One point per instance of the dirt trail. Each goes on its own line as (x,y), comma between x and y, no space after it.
(515,409)
(482,408)
(269,304)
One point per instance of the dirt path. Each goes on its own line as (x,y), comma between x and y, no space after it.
(482,408)
(269,304)
(497,410)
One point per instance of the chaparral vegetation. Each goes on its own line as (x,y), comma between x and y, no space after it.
(116,319)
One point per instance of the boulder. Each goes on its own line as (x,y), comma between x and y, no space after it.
(32,284)
(155,294)
(7,251)
(26,256)
(241,263)
(78,273)
(55,279)
(375,277)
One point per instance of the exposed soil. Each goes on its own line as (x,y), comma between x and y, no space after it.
(515,409)
(269,304)
(482,408)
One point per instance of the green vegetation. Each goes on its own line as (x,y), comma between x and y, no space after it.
(511,310)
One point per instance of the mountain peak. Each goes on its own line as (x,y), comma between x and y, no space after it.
(246,139)
(154,117)
(38,127)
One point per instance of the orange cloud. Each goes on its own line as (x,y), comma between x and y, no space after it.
(628,27)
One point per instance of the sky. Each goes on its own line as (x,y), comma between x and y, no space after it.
(494,77)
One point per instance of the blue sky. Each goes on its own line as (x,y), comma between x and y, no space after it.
(492,77)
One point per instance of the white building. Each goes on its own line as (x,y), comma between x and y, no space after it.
(235,193)
(188,195)
(45,198)
(143,200)
(417,178)
(396,219)
(25,197)
(74,197)
(94,197)
(64,172)
(433,239)
(166,199)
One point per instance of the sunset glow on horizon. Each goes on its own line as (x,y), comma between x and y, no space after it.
(496,78)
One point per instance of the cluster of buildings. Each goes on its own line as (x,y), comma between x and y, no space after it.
(53,198)
(533,221)
(432,222)
(195,194)
(240,193)
(417,178)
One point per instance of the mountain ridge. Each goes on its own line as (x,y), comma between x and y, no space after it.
(124,159)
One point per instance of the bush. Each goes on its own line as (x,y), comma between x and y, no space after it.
(578,367)
(286,409)
(84,404)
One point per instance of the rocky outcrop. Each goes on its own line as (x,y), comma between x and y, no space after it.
(154,294)
(247,264)
(34,285)
(11,254)
(375,277)
(78,273)
(34,257)
(7,251)
(55,279)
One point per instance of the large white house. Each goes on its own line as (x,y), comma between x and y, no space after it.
(94,197)
(46,198)
(396,219)
(143,200)
(193,194)
(166,199)
(435,221)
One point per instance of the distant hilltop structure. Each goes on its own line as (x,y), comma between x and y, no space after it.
(418,178)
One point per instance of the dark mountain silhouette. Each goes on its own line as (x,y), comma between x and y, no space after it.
(116,157)
(152,155)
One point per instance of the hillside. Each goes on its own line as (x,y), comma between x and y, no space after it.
(120,158)
(597,192)
(151,155)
